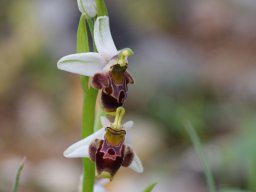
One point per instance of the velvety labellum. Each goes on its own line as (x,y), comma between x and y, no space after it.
(114,87)
(109,158)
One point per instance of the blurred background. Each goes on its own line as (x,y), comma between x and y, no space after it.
(194,60)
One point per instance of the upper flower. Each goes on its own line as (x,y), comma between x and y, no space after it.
(88,7)
(89,64)
(108,67)
(108,148)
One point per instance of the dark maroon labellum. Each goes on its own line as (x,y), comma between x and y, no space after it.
(114,87)
(109,158)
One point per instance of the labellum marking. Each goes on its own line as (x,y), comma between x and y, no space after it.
(110,165)
(111,151)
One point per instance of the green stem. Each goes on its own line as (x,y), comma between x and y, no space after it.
(89,100)
(89,95)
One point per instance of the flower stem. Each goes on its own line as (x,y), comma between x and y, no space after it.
(89,100)
(89,95)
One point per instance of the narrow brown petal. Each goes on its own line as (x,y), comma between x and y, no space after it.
(93,149)
(129,77)
(100,81)
(128,156)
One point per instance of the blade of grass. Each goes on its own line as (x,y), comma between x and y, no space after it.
(17,177)
(150,187)
(200,153)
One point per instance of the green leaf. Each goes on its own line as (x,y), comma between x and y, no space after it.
(17,178)
(150,187)
(101,8)
(90,23)
(200,153)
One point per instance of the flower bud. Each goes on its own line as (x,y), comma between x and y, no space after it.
(87,7)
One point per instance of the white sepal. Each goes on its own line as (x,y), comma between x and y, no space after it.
(103,38)
(88,7)
(128,125)
(136,164)
(82,63)
(81,148)
(98,185)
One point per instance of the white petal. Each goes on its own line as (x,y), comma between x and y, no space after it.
(81,148)
(104,121)
(99,189)
(136,164)
(127,140)
(88,7)
(103,39)
(102,181)
(128,125)
(98,186)
(82,63)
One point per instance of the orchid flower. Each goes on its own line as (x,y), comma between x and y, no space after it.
(108,148)
(108,67)
(87,7)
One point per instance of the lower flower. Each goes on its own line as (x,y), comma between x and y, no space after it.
(107,148)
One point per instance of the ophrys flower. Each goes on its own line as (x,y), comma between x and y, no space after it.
(108,148)
(108,67)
